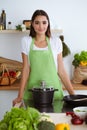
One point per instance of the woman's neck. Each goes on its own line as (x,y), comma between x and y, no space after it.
(40,41)
(40,38)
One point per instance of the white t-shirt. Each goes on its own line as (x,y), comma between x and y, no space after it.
(55,43)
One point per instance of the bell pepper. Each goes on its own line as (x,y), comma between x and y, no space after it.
(62,126)
(83,63)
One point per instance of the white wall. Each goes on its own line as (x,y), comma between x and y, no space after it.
(70,15)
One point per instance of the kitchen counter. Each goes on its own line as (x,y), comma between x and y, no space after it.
(62,118)
(57,112)
(55,107)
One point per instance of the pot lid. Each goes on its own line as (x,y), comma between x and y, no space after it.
(43,89)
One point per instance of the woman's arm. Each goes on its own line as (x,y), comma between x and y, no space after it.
(25,75)
(63,75)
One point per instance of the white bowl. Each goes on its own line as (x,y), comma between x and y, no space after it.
(80,111)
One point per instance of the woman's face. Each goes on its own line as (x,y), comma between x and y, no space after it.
(40,25)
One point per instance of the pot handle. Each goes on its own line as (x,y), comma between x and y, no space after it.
(55,89)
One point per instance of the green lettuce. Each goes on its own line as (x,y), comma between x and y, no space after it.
(20,119)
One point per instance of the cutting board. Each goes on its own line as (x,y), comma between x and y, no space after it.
(62,118)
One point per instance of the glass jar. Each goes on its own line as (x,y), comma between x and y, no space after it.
(9,25)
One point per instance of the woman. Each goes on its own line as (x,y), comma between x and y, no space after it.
(42,59)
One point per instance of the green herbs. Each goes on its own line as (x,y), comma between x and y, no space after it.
(18,27)
(80,58)
(81,110)
(66,50)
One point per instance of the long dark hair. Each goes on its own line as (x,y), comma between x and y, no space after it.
(35,14)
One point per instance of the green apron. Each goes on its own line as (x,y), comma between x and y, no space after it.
(43,68)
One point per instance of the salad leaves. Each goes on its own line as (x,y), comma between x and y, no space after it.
(20,119)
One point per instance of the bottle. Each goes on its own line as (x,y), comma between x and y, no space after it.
(3,18)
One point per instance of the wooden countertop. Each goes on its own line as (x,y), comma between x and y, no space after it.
(15,86)
(78,87)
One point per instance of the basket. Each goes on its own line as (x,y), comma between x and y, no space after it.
(10,71)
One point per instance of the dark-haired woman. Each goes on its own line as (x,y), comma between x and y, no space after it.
(42,59)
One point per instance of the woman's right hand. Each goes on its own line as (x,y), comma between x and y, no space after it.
(17,100)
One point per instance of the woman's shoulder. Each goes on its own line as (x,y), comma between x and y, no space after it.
(55,40)
(26,39)
(56,44)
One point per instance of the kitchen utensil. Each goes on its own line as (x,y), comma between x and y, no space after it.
(76,100)
(43,95)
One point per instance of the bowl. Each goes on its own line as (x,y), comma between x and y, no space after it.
(80,111)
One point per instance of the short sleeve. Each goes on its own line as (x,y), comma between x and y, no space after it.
(59,46)
(56,45)
(25,45)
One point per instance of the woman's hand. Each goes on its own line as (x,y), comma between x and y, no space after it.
(17,100)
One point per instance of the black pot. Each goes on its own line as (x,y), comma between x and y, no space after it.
(43,96)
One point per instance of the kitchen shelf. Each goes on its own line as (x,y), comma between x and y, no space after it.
(13,31)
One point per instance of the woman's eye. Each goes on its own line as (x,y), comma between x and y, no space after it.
(44,22)
(36,22)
